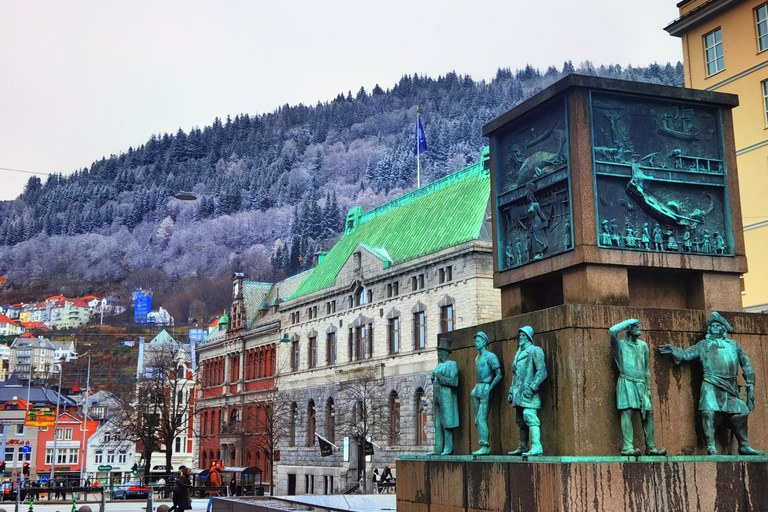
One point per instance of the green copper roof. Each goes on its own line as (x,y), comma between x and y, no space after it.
(445,213)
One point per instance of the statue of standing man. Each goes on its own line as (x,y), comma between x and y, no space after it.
(528,372)
(445,407)
(721,400)
(487,375)
(633,389)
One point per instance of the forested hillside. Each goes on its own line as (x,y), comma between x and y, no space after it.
(270,187)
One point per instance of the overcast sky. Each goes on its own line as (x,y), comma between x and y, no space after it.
(84,79)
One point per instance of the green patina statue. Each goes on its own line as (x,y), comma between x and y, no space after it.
(487,375)
(445,381)
(528,372)
(633,389)
(721,400)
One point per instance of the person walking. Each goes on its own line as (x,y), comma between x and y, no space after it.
(214,479)
(181,501)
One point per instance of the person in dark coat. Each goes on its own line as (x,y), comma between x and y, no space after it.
(181,500)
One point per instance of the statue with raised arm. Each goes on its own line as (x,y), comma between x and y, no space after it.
(445,381)
(528,372)
(487,375)
(633,389)
(721,400)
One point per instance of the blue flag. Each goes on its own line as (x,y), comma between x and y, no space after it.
(420,146)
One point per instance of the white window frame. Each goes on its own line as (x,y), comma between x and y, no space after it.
(764,84)
(761,21)
(715,45)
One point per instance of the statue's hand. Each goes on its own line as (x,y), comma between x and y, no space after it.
(510,398)
(528,393)
(750,398)
(665,349)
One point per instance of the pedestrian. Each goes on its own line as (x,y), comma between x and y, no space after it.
(214,479)
(181,500)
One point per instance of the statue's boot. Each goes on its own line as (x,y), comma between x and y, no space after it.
(652,451)
(522,447)
(739,423)
(447,442)
(536,448)
(631,452)
(708,426)
(484,450)
(650,442)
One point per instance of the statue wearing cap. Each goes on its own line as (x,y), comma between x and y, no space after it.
(445,406)
(721,400)
(487,375)
(633,389)
(528,372)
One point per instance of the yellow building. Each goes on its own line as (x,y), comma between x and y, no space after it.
(725,49)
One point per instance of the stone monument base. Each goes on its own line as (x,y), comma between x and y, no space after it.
(574,484)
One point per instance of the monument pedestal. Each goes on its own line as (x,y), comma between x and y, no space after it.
(571,484)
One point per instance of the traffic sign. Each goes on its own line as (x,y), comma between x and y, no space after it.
(105,468)
(26,449)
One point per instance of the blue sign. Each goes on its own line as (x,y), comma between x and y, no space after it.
(26,449)
(142,305)
(197,335)
(43,478)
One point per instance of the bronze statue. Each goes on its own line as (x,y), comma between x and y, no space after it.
(528,372)
(721,400)
(445,402)
(633,389)
(487,374)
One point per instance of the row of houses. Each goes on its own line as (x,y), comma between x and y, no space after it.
(55,312)
(87,441)
(342,354)
(34,357)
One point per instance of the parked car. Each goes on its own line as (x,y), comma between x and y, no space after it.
(130,490)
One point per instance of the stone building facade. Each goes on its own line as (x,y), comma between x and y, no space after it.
(361,330)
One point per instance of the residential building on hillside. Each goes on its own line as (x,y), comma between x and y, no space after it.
(69,313)
(236,420)
(725,49)
(64,353)
(41,314)
(153,360)
(25,312)
(9,327)
(361,330)
(32,357)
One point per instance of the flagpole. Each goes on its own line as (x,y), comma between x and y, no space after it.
(418,152)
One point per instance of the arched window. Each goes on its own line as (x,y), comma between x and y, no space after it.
(233,417)
(394,419)
(213,424)
(205,426)
(248,458)
(218,454)
(294,423)
(205,460)
(257,462)
(311,422)
(233,455)
(421,417)
(330,420)
(212,459)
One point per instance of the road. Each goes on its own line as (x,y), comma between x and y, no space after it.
(198,505)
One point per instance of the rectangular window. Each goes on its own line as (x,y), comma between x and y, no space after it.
(448,273)
(9,454)
(414,283)
(331,347)
(441,276)
(361,342)
(295,358)
(98,457)
(394,335)
(765,100)
(421,281)
(419,336)
(49,456)
(761,18)
(20,429)
(395,288)
(446,318)
(122,457)
(111,457)
(177,448)
(713,52)
(312,352)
